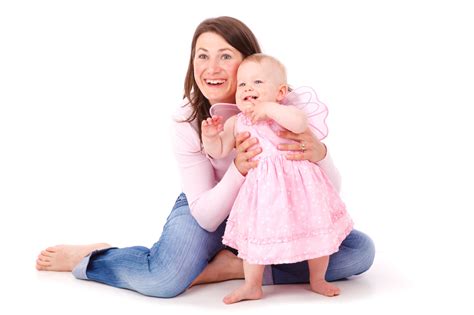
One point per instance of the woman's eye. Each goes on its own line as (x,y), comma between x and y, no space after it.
(202,56)
(226,57)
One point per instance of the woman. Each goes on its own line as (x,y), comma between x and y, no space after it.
(190,249)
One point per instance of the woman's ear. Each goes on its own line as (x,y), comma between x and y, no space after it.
(282,91)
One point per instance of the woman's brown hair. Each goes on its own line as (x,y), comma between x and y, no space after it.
(239,36)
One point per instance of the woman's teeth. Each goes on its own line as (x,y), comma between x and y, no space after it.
(215,82)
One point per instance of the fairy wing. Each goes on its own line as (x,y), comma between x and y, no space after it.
(305,98)
(225,110)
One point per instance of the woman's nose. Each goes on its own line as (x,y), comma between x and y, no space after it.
(213,66)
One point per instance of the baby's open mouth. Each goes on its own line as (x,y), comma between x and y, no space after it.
(248,98)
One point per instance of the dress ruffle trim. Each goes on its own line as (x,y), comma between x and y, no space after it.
(289,249)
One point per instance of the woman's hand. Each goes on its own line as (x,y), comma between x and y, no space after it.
(309,146)
(242,144)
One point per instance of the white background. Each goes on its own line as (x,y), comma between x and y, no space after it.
(87,89)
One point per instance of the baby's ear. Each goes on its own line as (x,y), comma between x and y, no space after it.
(282,91)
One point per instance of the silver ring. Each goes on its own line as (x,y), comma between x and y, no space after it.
(302,146)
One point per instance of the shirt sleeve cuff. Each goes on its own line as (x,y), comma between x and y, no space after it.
(234,174)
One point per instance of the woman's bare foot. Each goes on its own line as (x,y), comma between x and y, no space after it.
(65,257)
(245,292)
(324,288)
(224,266)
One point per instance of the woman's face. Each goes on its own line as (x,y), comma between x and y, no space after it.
(215,68)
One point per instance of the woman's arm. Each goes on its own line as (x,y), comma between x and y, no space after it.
(210,200)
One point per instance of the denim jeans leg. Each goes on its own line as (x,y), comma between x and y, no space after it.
(168,268)
(355,256)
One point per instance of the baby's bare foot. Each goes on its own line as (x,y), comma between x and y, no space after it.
(324,288)
(65,257)
(245,292)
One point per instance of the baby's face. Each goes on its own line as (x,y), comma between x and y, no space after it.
(255,82)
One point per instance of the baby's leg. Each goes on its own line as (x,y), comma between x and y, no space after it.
(252,288)
(317,272)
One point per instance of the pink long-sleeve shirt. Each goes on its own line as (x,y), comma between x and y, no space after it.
(211,185)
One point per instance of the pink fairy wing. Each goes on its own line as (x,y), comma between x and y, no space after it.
(305,98)
(225,110)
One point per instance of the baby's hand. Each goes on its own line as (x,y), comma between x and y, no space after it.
(258,111)
(211,127)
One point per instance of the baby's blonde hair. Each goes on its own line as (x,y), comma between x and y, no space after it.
(279,67)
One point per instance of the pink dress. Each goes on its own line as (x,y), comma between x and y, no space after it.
(286,211)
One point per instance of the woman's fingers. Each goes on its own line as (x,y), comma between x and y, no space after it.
(252,153)
(247,155)
(307,146)
(243,160)
(245,144)
(241,137)
(297,156)
(244,164)
(286,134)
(294,146)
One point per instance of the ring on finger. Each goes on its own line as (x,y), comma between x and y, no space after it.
(302,146)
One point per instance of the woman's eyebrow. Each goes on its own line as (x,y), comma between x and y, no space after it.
(219,50)
(224,49)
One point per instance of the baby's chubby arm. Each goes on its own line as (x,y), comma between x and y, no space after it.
(218,140)
(287,116)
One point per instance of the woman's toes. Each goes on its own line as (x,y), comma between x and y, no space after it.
(51,249)
(42,265)
(45,253)
(44,257)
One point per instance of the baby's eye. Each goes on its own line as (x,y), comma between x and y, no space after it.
(242,84)
(258,81)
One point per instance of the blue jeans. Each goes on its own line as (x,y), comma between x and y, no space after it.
(184,250)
